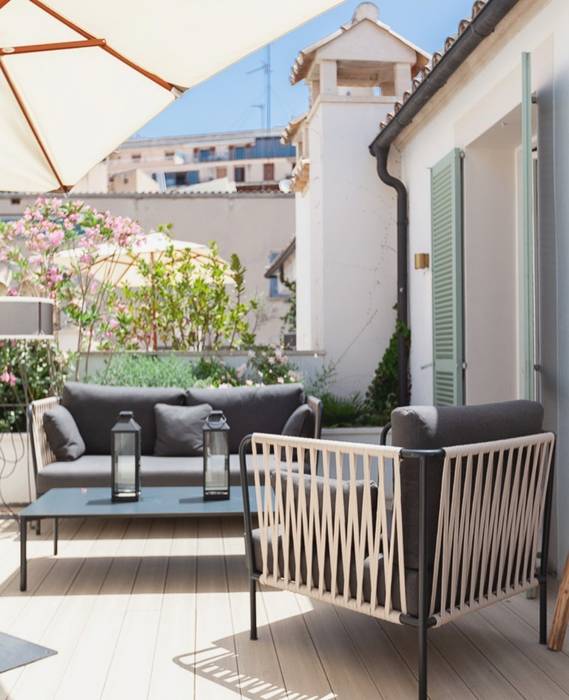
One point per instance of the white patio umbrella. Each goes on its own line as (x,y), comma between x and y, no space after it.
(118,266)
(77,78)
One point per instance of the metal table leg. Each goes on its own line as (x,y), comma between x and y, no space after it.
(55,535)
(23,554)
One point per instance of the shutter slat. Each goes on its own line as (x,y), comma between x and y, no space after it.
(446,248)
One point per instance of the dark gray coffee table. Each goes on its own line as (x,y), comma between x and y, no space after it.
(155,502)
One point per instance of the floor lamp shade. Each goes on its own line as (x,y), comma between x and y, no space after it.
(26,318)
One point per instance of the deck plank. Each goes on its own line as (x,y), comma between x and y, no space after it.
(259,669)
(391,674)
(65,630)
(214,659)
(92,658)
(301,666)
(522,672)
(444,681)
(165,603)
(176,630)
(46,599)
(131,666)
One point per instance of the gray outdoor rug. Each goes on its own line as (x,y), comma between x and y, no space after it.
(16,652)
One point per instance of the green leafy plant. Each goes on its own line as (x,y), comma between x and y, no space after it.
(211,371)
(184,304)
(29,370)
(382,394)
(289,319)
(164,371)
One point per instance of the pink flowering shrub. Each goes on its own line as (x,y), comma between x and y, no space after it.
(56,248)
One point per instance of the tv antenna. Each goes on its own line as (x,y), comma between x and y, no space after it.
(265,108)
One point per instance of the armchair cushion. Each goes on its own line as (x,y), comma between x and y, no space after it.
(63,434)
(433,427)
(179,430)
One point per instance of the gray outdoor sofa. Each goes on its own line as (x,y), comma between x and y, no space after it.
(95,410)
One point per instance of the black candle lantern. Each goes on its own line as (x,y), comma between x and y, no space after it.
(216,457)
(125,455)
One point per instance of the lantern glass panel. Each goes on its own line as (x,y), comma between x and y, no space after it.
(216,472)
(125,455)
(216,456)
(125,446)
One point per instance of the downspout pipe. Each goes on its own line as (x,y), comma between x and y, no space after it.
(382,156)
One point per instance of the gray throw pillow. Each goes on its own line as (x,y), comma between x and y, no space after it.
(300,423)
(179,430)
(63,434)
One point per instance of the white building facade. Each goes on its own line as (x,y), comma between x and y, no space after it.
(485,162)
(345,241)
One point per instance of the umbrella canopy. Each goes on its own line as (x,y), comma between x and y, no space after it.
(78,78)
(117,266)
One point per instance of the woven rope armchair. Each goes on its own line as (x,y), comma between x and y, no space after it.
(412,536)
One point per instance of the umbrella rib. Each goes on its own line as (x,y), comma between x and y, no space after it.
(68,23)
(32,126)
(57,46)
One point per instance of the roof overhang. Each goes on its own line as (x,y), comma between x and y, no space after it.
(486,15)
(274,269)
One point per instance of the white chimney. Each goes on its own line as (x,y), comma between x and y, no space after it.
(366,10)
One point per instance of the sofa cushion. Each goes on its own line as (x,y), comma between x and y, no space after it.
(96,409)
(95,470)
(63,434)
(262,409)
(179,430)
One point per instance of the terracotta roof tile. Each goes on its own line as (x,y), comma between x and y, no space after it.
(423,74)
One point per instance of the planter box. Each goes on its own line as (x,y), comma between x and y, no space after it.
(16,470)
(368,435)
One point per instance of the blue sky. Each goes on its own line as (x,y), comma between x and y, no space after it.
(225,102)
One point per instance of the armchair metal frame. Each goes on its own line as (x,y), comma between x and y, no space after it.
(494,509)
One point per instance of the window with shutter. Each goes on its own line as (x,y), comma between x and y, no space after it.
(447,280)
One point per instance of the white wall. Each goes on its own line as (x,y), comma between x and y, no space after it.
(481,94)
(490,273)
(358,253)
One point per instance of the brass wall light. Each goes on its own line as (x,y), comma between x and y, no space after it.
(421,261)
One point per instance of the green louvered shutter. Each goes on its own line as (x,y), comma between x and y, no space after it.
(446,231)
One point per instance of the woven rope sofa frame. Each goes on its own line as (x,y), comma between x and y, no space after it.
(344,509)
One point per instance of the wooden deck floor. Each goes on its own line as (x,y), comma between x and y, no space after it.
(159,609)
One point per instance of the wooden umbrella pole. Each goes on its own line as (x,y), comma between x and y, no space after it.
(561,615)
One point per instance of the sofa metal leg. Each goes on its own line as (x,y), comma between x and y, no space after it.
(253,607)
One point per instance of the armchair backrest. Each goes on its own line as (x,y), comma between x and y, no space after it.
(317,524)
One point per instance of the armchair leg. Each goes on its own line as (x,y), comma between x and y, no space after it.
(253,607)
(422,662)
(543,611)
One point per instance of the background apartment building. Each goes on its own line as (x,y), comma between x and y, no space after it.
(241,160)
